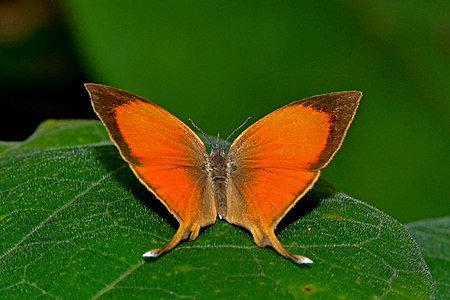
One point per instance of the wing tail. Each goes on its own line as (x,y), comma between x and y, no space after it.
(186,230)
(265,236)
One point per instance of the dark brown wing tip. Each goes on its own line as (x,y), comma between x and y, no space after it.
(337,102)
(341,106)
(106,98)
(95,87)
(98,91)
(87,85)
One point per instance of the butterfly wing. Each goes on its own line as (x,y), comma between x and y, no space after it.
(165,154)
(278,159)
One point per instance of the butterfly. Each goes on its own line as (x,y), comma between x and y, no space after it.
(267,169)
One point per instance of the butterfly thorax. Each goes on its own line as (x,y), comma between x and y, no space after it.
(217,173)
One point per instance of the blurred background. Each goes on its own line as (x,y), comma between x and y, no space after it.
(219,62)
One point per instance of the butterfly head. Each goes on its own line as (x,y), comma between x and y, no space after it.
(217,150)
(218,147)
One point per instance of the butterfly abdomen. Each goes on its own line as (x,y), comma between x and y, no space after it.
(218,178)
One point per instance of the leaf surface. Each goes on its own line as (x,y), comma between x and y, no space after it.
(433,237)
(74,222)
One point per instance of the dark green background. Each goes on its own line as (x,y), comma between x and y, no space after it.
(219,62)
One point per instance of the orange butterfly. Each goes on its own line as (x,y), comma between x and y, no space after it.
(269,167)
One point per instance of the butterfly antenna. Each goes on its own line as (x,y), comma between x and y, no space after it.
(234,131)
(202,132)
(217,141)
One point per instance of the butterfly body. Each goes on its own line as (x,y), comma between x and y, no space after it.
(268,168)
(219,169)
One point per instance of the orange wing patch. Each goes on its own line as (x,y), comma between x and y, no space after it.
(278,159)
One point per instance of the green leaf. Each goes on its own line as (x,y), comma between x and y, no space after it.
(433,237)
(74,222)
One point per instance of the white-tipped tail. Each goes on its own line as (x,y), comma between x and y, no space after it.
(303,260)
(150,254)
